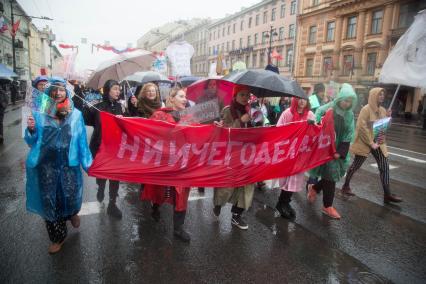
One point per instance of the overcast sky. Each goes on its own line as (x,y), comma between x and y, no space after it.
(119,22)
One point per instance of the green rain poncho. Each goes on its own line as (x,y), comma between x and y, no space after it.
(344,128)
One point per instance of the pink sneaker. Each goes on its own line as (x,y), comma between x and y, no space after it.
(312,194)
(331,212)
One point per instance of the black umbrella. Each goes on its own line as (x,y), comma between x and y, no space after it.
(265,83)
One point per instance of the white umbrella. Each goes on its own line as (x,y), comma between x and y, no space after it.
(120,67)
(147,76)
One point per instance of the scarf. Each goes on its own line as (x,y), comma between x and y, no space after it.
(147,107)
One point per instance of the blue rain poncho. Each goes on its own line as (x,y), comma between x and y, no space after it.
(54,181)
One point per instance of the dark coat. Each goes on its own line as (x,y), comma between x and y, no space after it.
(92,118)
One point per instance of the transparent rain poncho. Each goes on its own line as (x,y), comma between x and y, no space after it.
(57,150)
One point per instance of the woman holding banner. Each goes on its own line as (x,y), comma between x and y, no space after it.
(176,196)
(110,103)
(331,172)
(365,143)
(236,116)
(149,99)
(58,148)
(298,111)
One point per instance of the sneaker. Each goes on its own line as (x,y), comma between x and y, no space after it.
(331,212)
(182,235)
(100,195)
(55,247)
(238,221)
(75,221)
(391,198)
(216,210)
(312,194)
(113,211)
(346,190)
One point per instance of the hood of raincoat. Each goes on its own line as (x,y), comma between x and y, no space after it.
(57,81)
(38,80)
(346,92)
(373,99)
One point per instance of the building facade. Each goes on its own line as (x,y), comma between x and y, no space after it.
(246,36)
(348,41)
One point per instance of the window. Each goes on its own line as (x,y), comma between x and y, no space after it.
(265,17)
(229,30)
(282,11)
(241,43)
(376,22)
(281,34)
(210,36)
(330,31)
(274,11)
(257,19)
(255,39)
(312,34)
(217,49)
(241,25)
(351,29)
(223,31)
(249,23)
(291,31)
(315,2)
(223,47)
(406,14)
(280,62)
(214,35)
(248,41)
(263,37)
(289,55)
(309,67)
(210,51)
(233,28)
(371,63)
(348,62)
(293,7)
(233,44)
(227,46)
(254,60)
(218,33)
(327,65)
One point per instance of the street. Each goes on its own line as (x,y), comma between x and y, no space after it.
(372,243)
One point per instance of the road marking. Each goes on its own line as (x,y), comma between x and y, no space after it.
(417,153)
(89,208)
(391,167)
(409,158)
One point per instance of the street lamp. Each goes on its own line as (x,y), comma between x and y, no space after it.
(270,34)
(13,35)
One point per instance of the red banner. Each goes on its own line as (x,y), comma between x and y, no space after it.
(156,152)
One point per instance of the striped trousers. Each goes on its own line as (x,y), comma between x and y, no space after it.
(382,163)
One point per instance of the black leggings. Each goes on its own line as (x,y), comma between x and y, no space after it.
(328,187)
(113,187)
(57,230)
(382,163)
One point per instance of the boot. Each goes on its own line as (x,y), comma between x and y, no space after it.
(216,210)
(155,214)
(101,194)
(286,211)
(113,210)
(179,232)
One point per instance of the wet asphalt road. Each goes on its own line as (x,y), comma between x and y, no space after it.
(372,243)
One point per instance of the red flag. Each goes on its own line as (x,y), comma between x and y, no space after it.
(276,55)
(15,28)
(156,152)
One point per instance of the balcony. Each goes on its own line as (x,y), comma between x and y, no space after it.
(397,33)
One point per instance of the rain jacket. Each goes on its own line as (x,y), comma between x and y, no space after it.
(364,127)
(344,130)
(54,182)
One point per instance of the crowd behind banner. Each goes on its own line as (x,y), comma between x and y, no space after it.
(55,130)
